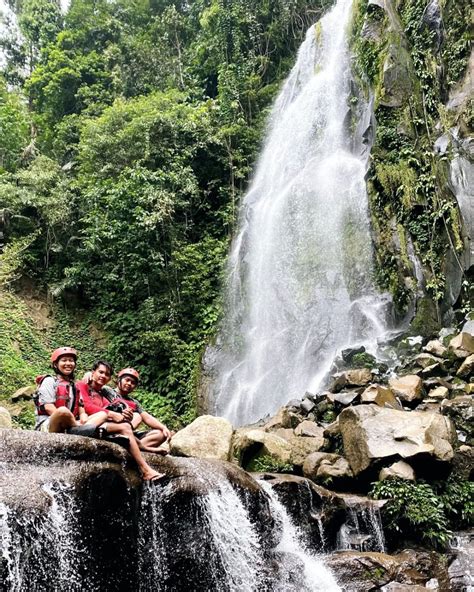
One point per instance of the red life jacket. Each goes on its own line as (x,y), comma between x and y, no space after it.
(66,395)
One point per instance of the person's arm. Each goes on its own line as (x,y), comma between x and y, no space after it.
(136,420)
(50,408)
(47,395)
(83,417)
(153,423)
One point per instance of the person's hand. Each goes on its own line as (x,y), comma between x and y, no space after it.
(114,416)
(127,414)
(166,433)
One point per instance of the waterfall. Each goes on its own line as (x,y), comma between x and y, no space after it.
(314,577)
(152,565)
(362,530)
(300,271)
(41,554)
(226,544)
(235,538)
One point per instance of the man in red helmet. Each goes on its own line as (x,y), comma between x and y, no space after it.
(149,441)
(58,406)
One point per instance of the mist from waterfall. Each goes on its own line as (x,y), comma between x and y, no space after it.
(300,283)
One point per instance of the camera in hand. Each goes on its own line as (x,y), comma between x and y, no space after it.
(118,407)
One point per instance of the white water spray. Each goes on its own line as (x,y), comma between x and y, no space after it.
(152,564)
(50,541)
(235,538)
(300,272)
(315,577)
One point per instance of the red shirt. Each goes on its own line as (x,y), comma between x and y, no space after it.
(94,401)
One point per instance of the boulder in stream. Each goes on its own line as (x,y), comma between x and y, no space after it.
(206,437)
(408,388)
(372,434)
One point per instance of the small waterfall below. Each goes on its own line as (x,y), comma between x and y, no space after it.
(300,271)
(227,547)
(42,554)
(152,563)
(362,530)
(314,576)
(235,538)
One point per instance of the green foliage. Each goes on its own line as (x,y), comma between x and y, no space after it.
(23,354)
(423,511)
(125,151)
(268,464)
(457,497)
(14,128)
(457,46)
(25,420)
(408,184)
(363,360)
(160,407)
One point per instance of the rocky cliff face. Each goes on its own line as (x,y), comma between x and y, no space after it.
(413,55)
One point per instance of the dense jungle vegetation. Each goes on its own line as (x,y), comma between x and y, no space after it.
(128,132)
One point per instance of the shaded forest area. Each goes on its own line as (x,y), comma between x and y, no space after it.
(128,132)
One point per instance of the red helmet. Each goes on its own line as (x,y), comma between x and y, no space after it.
(63,351)
(129,372)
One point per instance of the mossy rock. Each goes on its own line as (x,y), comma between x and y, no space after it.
(425,322)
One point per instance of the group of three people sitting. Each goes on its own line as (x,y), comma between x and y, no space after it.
(90,407)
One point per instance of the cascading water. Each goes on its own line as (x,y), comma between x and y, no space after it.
(30,547)
(152,564)
(235,538)
(314,577)
(300,271)
(362,530)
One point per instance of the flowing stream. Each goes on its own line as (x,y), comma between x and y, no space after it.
(314,576)
(300,283)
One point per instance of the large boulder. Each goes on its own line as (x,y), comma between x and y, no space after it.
(408,388)
(439,393)
(248,444)
(358,377)
(23,394)
(399,470)
(461,411)
(303,446)
(466,367)
(309,428)
(320,466)
(463,341)
(381,396)
(436,348)
(68,492)
(371,434)
(5,418)
(363,571)
(318,512)
(206,437)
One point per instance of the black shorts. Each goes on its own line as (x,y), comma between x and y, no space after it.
(141,435)
(90,431)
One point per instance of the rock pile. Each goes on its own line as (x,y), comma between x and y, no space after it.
(370,424)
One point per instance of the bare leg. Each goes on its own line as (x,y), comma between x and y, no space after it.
(61,420)
(97,419)
(152,442)
(125,429)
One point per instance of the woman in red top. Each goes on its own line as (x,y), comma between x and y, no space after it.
(95,399)
(59,407)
